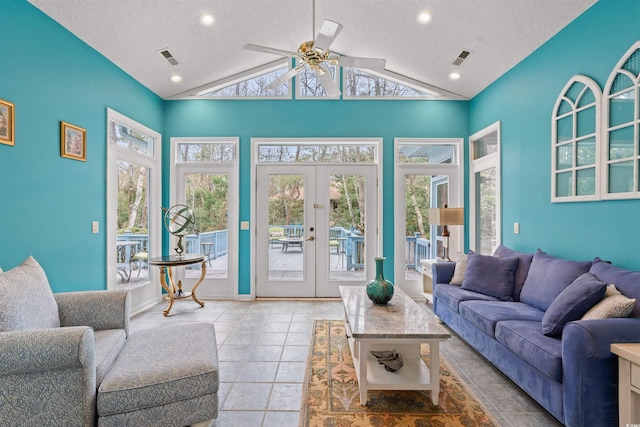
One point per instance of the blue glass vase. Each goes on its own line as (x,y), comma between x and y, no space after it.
(379,290)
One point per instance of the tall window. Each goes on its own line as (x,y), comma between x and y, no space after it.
(133,201)
(484,186)
(428,175)
(576,142)
(622,132)
(205,179)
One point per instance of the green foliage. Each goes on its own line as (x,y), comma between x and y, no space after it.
(207,197)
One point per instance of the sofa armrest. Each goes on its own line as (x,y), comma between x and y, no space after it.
(590,370)
(99,309)
(442,272)
(48,376)
(46,349)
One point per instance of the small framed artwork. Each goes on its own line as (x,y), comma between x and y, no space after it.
(73,142)
(7,123)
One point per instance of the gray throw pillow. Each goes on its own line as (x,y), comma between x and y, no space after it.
(26,299)
(614,304)
(458,272)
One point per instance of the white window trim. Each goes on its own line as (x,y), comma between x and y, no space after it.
(147,295)
(432,92)
(455,171)
(595,89)
(198,92)
(225,287)
(478,165)
(607,129)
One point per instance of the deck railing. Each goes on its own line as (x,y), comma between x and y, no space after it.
(417,247)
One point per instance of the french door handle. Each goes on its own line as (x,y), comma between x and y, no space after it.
(311,239)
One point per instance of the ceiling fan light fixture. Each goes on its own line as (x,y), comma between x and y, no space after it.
(207,19)
(424,17)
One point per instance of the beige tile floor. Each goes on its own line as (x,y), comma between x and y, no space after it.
(262,352)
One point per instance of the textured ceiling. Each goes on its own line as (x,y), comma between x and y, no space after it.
(499,33)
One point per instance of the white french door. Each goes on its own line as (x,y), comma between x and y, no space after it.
(316,228)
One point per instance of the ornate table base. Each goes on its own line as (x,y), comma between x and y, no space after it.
(166,263)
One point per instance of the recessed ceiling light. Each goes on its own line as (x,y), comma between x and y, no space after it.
(455,75)
(176,78)
(424,17)
(207,19)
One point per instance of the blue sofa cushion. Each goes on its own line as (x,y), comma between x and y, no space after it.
(26,299)
(485,314)
(490,275)
(626,281)
(572,303)
(524,262)
(452,295)
(548,276)
(525,340)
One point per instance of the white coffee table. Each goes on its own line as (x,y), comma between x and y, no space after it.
(401,325)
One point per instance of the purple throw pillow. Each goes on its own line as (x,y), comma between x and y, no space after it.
(548,276)
(572,303)
(524,263)
(489,275)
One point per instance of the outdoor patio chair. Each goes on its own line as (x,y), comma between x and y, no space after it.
(276,235)
(334,243)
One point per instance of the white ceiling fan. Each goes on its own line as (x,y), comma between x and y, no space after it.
(316,55)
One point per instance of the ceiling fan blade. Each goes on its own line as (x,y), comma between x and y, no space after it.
(366,63)
(283,78)
(265,49)
(328,33)
(327,81)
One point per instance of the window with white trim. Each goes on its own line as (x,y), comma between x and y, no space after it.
(485,199)
(621,151)
(576,142)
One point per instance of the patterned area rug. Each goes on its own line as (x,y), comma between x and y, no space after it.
(331,396)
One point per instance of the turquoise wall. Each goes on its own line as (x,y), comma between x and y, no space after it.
(48,202)
(523,100)
(312,119)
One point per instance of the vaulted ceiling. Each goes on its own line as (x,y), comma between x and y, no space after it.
(498,33)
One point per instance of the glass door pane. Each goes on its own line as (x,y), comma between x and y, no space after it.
(418,242)
(286,227)
(207,195)
(347,208)
(486,211)
(132,236)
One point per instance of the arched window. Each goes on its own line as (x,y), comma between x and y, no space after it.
(620,152)
(576,142)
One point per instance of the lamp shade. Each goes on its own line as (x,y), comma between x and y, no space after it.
(446,216)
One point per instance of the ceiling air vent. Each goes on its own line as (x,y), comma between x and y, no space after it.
(168,56)
(461,57)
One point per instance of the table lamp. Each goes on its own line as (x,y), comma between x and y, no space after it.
(446,216)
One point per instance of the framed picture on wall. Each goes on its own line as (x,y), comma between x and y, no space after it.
(7,123)
(73,142)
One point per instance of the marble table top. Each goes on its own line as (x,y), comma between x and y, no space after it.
(401,317)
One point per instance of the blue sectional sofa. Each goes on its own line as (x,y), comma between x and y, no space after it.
(524,313)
